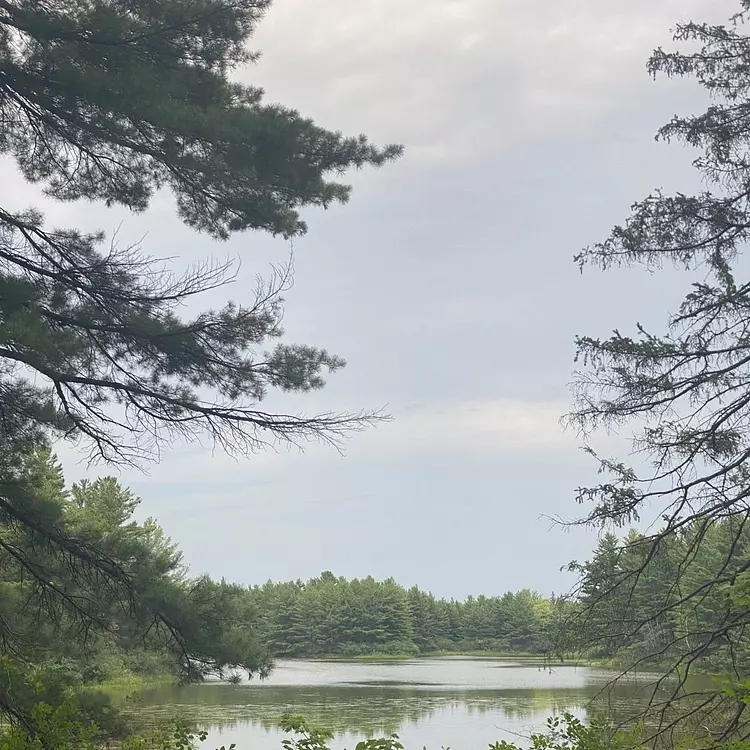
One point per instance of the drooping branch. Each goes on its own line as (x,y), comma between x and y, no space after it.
(126,372)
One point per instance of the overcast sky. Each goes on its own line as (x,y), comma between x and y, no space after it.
(447,283)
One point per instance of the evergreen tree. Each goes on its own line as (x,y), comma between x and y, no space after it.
(76,626)
(110,101)
(685,388)
(600,594)
(425,625)
(332,616)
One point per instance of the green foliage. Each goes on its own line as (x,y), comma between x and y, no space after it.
(62,728)
(142,97)
(144,617)
(664,606)
(382,743)
(109,101)
(566,732)
(40,697)
(682,390)
(330,616)
(176,735)
(309,737)
(57,728)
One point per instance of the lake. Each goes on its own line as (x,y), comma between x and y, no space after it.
(447,702)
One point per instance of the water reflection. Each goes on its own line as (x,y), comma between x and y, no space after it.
(430,701)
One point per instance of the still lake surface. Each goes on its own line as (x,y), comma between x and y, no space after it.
(451,702)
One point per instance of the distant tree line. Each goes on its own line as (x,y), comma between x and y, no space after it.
(634,602)
(91,633)
(333,616)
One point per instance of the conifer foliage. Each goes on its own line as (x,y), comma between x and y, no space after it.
(685,390)
(110,101)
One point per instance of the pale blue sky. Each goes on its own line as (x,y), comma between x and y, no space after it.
(447,283)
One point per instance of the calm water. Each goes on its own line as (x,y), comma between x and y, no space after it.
(457,703)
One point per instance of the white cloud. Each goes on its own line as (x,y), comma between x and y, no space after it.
(453,79)
(500,426)
(458,78)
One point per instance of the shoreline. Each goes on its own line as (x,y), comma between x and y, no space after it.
(425,655)
(128,682)
(132,682)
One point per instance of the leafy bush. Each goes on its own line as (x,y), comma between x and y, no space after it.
(309,737)
(566,732)
(62,728)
